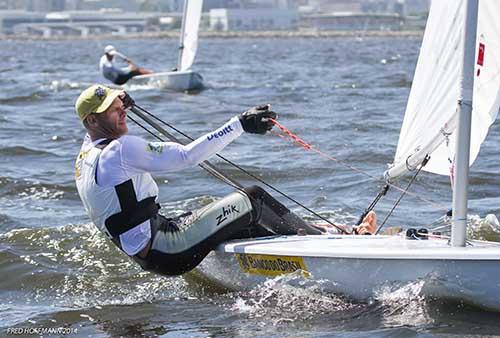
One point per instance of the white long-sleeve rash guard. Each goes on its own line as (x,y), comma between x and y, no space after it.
(128,156)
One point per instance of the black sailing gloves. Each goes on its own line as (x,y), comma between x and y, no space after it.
(127,101)
(256,120)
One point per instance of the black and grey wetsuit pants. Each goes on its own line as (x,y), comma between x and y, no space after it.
(180,244)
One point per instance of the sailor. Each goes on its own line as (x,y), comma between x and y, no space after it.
(113,177)
(118,75)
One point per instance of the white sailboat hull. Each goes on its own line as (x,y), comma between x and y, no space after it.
(361,266)
(175,80)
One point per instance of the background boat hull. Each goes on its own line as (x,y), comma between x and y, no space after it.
(180,81)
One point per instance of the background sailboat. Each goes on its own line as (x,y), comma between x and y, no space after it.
(452,71)
(183,78)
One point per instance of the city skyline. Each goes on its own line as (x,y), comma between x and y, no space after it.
(379,6)
(55,18)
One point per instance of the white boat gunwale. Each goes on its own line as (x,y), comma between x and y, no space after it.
(369,247)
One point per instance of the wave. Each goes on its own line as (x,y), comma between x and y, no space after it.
(23,151)
(284,304)
(35,96)
(64,84)
(394,81)
(4,219)
(36,190)
(401,310)
(76,265)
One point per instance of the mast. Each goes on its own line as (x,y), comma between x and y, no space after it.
(459,224)
(183,28)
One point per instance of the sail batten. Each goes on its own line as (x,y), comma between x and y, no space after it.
(435,94)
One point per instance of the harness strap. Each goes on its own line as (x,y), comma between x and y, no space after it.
(101,145)
(133,212)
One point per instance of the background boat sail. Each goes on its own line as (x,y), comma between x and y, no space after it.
(183,78)
(189,34)
(359,266)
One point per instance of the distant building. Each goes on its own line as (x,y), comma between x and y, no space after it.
(251,4)
(11,4)
(9,19)
(124,5)
(161,5)
(282,4)
(212,4)
(402,7)
(45,5)
(79,23)
(224,19)
(417,7)
(178,5)
(328,6)
(353,21)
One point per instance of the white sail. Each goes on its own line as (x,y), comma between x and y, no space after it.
(431,113)
(189,38)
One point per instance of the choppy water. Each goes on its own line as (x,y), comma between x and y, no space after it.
(345,95)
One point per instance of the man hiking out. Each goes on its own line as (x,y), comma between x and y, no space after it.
(113,173)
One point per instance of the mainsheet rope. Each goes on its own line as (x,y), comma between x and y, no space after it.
(288,135)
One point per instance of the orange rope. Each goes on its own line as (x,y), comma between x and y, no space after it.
(297,140)
(291,135)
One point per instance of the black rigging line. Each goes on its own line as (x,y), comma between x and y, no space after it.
(382,192)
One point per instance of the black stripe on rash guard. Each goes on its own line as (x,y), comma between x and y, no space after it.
(133,212)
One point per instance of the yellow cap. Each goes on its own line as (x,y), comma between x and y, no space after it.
(95,99)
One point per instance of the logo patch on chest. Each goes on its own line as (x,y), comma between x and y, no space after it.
(155,147)
(79,162)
